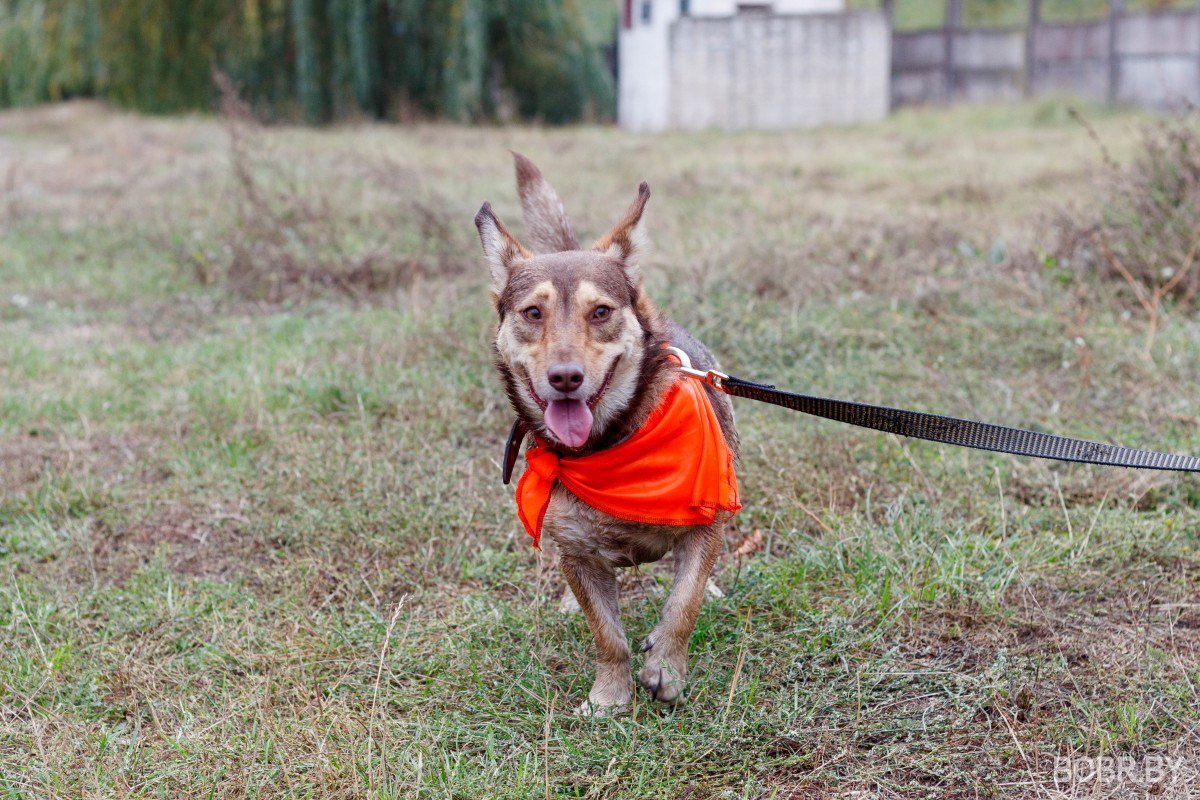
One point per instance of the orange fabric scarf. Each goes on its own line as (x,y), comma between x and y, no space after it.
(675,470)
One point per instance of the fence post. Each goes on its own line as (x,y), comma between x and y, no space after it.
(1035,17)
(1115,8)
(953,20)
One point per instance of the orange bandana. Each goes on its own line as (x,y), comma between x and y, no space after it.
(675,470)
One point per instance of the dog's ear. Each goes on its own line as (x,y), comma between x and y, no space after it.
(503,252)
(627,240)
(546,222)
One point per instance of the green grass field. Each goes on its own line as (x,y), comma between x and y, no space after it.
(253,541)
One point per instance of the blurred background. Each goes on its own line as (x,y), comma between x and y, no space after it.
(678,63)
(465,60)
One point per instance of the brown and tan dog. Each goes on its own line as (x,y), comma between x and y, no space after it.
(579,348)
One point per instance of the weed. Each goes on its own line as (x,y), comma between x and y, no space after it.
(1146,231)
(287,240)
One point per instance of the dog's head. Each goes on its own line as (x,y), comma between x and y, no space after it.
(574,323)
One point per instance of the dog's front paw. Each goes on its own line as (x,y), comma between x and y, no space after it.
(588,708)
(611,694)
(663,676)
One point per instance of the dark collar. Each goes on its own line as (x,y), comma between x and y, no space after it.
(512,448)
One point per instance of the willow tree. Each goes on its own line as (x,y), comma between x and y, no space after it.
(316,59)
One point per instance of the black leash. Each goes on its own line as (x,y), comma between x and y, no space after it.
(961,432)
(916,424)
(947,430)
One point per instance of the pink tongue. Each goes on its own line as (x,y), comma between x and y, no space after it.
(570,421)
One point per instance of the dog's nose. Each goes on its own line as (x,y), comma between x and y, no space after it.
(565,377)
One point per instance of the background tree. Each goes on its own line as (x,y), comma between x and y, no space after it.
(312,59)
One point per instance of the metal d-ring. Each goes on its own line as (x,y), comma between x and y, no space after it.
(712,377)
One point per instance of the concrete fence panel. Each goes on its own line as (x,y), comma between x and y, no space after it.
(1164,82)
(1071,58)
(989,64)
(1147,58)
(990,49)
(764,70)
(778,71)
(919,68)
(1159,33)
(1072,41)
(1078,78)
(917,50)
(985,64)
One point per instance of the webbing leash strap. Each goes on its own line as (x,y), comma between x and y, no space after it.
(947,430)
(961,432)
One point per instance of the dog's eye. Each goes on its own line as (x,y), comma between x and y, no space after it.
(533,314)
(601,312)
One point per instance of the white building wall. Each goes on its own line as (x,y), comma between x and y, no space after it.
(727,8)
(805,64)
(758,71)
(809,6)
(644,67)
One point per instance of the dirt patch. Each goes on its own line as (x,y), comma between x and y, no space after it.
(79,476)
(1065,661)
(28,459)
(1108,623)
(1110,628)
(212,541)
(975,698)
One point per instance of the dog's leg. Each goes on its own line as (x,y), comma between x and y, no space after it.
(595,586)
(666,648)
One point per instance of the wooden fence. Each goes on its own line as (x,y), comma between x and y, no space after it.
(1147,58)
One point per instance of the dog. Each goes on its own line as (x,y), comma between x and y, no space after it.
(582,354)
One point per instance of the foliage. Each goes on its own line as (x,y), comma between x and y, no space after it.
(1153,213)
(285,241)
(318,60)
(1145,232)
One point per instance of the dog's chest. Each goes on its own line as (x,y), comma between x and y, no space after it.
(583,532)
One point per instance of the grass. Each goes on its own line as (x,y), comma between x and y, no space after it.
(260,549)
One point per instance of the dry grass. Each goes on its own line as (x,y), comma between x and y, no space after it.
(286,241)
(252,536)
(1146,233)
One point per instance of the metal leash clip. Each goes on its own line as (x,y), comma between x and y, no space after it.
(712,377)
